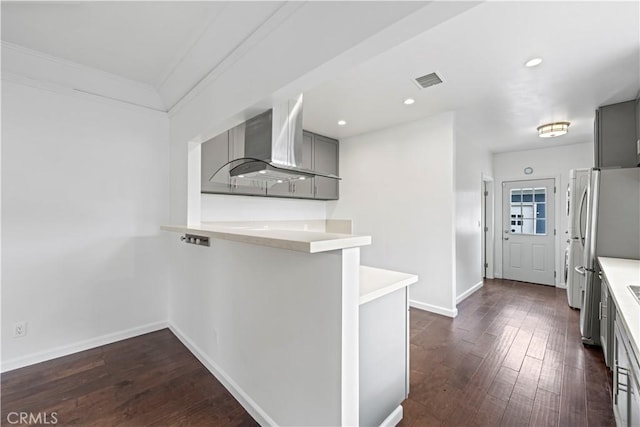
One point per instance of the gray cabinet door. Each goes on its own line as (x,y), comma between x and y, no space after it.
(638,131)
(634,400)
(616,136)
(236,151)
(325,160)
(304,188)
(620,377)
(604,320)
(283,189)
(214,154)
(298,188)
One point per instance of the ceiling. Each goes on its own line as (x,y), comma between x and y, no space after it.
(169,45)
(136,40)
(591,53)
(591,57)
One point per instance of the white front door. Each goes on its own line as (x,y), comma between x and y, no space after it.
(528,231)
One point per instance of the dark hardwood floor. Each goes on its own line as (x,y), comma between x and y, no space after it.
(150,380)
(512,357)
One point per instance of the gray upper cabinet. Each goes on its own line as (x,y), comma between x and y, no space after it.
(301,188)
(325,160)
(236,151)
(615,136)
(305,188)
(319,153)
(215,154)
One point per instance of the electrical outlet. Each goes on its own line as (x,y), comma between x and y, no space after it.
(20,329)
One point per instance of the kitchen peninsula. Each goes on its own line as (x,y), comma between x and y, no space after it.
(284,315)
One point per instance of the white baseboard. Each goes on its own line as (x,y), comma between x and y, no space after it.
(466,294)
(561,286)
(247,403)
(65,350)
(394,418)
(434,308)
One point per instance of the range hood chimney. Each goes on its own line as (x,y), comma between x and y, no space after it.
(272,147)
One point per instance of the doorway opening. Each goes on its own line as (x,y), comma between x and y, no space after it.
(487,240)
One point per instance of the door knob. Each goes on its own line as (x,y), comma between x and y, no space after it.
(505,238)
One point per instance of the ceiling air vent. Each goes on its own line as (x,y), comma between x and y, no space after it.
(428,80)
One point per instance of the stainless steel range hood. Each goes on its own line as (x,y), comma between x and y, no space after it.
(272,147)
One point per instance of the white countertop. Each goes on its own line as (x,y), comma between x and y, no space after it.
(264,235)
(619,274)
(377,282)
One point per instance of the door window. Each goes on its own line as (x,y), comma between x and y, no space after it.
(528,211)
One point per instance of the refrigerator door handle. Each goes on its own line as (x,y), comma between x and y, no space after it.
(582,200)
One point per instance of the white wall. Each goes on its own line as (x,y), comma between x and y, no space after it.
(472,162)
(219,207)
(554,162)
(397,186)
(84,191)
(233,92)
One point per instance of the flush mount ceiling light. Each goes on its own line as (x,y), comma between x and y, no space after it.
(409,101)
(533,62)
(341,122)
(553,129)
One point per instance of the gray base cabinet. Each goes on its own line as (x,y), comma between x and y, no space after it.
(606,314)
(615,134)
(626,379)
(384,352)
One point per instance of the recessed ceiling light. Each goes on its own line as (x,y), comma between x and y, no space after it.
(240,176)
(409,101)
(551,130)
(342,122)
(279,181)
(263,171)
(302,178)
(533,62)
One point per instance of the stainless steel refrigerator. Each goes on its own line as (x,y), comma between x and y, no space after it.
(576,212)
(612,230)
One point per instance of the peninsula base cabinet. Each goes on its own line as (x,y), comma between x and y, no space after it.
(384,356)
(626,379)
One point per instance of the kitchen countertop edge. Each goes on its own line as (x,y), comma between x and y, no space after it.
(296,240)
(378,282)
